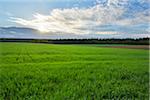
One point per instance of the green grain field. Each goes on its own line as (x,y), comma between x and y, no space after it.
(72,72)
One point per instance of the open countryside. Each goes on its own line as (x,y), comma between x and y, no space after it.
(51,71)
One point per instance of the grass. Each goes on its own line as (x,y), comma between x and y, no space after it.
(72,72)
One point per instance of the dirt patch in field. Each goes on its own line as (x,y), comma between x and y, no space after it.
(145,47)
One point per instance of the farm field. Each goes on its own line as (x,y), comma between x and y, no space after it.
(72,72)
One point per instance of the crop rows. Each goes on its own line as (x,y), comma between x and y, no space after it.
(72,72)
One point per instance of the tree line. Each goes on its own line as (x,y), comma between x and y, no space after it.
(138,41)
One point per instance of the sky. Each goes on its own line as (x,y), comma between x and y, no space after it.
(82,17)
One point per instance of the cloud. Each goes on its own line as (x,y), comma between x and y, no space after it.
(100,19)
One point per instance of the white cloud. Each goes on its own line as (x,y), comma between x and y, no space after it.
(83,20)
(107,32)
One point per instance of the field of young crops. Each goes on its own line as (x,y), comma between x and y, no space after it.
(72,72)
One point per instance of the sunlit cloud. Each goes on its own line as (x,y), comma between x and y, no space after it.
(107,33)
(87,20)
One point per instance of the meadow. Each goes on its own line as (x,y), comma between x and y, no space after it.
(72,72)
